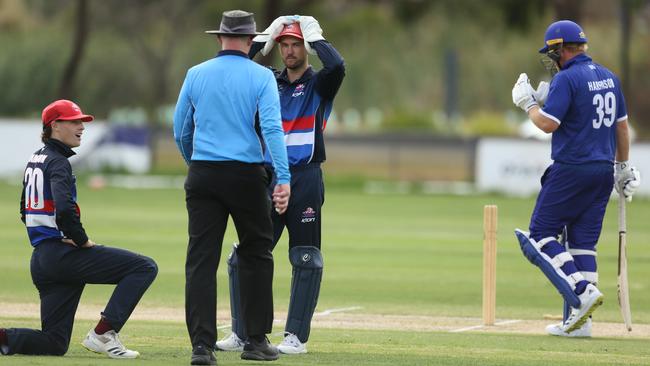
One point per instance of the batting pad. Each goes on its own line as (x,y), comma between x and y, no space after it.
(551,266)
(307,263)
(238,325)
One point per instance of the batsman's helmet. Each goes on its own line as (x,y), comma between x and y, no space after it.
(563,31)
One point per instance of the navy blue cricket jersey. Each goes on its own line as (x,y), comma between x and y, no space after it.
(48,205)
(587,100)
(306,104)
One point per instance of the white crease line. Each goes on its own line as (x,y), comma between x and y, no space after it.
(339,310)
(505,322)
(322,313)
(466,329)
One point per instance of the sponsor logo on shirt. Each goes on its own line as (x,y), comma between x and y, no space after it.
(300,90)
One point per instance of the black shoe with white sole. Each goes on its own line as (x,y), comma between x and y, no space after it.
(259,350)
(203,356)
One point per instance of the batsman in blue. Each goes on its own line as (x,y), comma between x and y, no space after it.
(584,109)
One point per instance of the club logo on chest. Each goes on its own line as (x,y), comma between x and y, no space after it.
(300,90)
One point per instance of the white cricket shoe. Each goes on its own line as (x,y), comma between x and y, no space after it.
(231,343)
(108,343)
(556,330)
(590,300)
(291,345)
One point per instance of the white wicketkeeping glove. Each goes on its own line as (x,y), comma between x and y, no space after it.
(273,31)
(311,31)
(626,179)
(522,93)
(541,94)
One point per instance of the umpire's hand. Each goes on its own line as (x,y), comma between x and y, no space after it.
(281,194)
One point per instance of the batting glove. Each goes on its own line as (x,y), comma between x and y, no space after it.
(273,31)
(522,93)
(311,31)
(541,94)
(627,179)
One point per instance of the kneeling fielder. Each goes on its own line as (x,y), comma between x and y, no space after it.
(64,259)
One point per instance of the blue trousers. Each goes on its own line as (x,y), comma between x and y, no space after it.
(60,271)
(574,196)
(303,216)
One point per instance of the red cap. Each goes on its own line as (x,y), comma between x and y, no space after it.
(292,30)
(63,110)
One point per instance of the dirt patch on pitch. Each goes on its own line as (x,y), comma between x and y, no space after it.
(354,319)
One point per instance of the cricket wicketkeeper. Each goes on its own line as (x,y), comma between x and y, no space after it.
(306,97)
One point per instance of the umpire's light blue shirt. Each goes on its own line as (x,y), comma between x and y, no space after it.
(215,113)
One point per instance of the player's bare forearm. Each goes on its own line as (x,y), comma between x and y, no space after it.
(622,141)
(542,122)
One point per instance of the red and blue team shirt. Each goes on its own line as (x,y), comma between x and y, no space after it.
(587,101)
(306,105)
(48,204)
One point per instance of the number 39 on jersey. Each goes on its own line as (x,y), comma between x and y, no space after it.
(605,109)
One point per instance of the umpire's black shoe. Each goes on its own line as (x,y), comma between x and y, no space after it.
(203,356)
(257,350)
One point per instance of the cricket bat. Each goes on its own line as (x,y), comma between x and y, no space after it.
(623,289)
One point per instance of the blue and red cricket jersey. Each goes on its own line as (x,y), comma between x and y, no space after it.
(48,204)
(306,104)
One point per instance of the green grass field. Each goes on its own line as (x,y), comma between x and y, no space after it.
(418,255)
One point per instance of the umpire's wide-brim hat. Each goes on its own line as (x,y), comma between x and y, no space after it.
(236,23)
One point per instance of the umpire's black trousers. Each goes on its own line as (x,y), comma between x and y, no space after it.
(213,191)
(60,271)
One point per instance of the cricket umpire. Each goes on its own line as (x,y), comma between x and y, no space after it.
(307,97)
(214,128)
(584,109)
(64,259)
